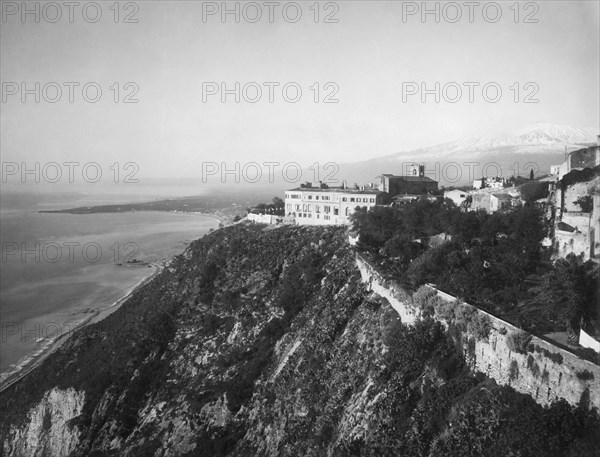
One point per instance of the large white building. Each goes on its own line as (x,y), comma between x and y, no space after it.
(329,205)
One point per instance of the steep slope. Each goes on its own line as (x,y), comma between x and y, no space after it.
(264,342)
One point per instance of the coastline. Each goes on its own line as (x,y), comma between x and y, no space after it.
(32,360)
(39,356)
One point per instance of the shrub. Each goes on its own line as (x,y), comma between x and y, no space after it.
(464,315)
(518,341)
(427,300)
(584,375)
(556,358)
(585,203)
(446,310)
(480,326)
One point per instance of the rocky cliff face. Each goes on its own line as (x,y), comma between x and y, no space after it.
(265,342)
(46,431)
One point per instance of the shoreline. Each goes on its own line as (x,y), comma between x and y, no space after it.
(221,219)
(42,354)
(30,362)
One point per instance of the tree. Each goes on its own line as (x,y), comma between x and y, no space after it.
(531,174)
(569,292)
(278,202)
(586,203)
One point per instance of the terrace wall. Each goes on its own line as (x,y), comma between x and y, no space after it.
(545,371)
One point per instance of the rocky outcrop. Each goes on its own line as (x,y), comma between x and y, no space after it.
(48,429)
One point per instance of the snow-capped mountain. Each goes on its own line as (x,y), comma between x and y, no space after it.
(540,143)
(537,137)
(552,134)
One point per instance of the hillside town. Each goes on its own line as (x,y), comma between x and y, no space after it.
(570,195)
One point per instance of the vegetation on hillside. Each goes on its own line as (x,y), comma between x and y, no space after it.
(263,341)
(495,261)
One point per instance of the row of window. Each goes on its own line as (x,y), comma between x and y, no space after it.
(327,197)
(325,216)
(357,200)
(308,208)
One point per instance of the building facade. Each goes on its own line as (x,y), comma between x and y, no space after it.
(578,160)
(458,197)
(328,206)
(494,182)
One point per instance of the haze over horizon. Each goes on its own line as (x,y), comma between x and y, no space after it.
(368,55)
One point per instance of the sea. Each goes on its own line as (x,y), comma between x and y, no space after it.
(59,271)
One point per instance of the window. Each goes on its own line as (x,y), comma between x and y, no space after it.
(372,200)
(317,208)
(347,212)
(295,196)
(325,197)
(352,199)
(327,209)
(310,197)
(335,211)
(344,199)
(365,200)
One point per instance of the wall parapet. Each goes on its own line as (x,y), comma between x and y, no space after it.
(540,369)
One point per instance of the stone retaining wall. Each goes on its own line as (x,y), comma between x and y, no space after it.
(545,371)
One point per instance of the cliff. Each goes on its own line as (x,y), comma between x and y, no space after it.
(261,341)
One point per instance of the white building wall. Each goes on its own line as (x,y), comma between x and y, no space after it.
(588,341)
(330,208)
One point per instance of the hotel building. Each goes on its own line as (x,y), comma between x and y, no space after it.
(329,205)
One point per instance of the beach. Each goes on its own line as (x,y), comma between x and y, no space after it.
(35,359)
(44,302)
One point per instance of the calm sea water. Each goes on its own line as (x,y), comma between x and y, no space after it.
(58,269)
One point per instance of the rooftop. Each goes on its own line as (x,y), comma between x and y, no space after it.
(503,196)
(336,189)
(411,178)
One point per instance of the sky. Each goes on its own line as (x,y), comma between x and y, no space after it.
(369,56)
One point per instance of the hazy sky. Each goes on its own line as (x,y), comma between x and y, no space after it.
(368,55)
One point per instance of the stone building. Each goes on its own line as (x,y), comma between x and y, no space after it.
(578,160)
(415,183)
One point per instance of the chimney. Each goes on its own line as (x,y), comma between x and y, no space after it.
(344,184)
(422,170)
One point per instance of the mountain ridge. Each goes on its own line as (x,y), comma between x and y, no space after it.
(540,145)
